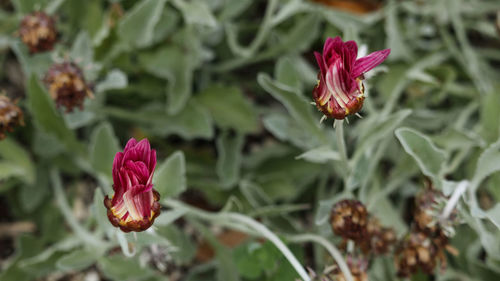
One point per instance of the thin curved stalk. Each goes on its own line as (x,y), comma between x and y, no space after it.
(332,250)
(264,29)
(265,232)
(246,224)
(339,133)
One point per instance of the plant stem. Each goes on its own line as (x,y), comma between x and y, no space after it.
(262,33)
(339,133)
(332,250)
(264,231)
(246,224)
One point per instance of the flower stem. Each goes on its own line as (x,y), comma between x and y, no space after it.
(264,231)
(332,250)
(339,133)
(246,224)
(262,33)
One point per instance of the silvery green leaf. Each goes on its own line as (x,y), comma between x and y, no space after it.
(170,177)
(137,27)
(429,158)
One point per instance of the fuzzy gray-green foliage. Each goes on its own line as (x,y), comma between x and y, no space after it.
(222,89)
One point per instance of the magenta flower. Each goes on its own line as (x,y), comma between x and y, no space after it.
(340,89)
(134,205)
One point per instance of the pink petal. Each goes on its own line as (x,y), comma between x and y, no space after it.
(130,144)
(339,83)
(152,163)
(349,54)
(321,63)
(332,50)
(119,208)
(320,92)
(117,162)
(369,62)
(139,170)
(140,152)
(352,47)
(144,202)
(152,167)
(332,44)
(132,206)
(125,179)
(139,201)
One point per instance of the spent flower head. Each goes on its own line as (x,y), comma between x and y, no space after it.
(67,85)
(38,32)
(340,91)
(429,206)
(348,219)
(11,115)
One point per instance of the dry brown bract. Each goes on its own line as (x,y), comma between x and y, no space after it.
(38,32)
(67,85)
(417,251)
(349,219)
(11,116)
(357,267)
(425,246)
(379,239)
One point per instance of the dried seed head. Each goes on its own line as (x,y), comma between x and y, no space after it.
(357,266)
(11,116)
(429,206)
(425,210)
(417,251)
(349,219)
(67,85)
(379,239)
(38,32)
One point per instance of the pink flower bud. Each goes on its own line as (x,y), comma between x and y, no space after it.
(134,206)
(340,89)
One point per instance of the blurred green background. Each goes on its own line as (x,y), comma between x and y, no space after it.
(222,89)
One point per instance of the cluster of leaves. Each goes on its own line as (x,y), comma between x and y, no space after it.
(222,90)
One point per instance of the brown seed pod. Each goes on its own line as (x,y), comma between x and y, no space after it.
(425,204)
(417,251)
(357,266)
(38,32)
(11,116)
(67,85)
(379,239)
(348,219)
(429,205)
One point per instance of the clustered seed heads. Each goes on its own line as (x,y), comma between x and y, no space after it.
(423,248)
(67,85)
(415,251)
(11,116)
(38,32)
(350,220)
(380,238)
